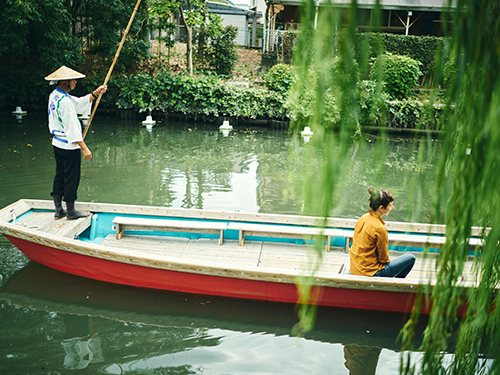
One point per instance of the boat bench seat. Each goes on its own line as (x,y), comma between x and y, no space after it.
(412,240)
(402,239)
(286,231)
(187,226)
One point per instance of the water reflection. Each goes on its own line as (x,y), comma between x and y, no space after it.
(196,166)
(81,351)
(49,320)
(361,360)
(64,321)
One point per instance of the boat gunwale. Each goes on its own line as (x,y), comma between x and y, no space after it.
(344,223)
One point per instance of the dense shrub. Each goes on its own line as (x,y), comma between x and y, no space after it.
(412,114)
(421,48)
(223,56)
(307,101)
(450,70)
(280,77)
(209,96)
(399,73)
(345,72)
(269,59)
(372,102)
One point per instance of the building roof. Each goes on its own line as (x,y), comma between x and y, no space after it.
(425,5)
(221,8)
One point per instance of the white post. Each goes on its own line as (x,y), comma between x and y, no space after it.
(265,31)
(407,26)
(316,2)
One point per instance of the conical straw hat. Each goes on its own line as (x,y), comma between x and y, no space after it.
(64,73)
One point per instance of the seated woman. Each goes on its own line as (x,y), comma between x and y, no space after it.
(369,252)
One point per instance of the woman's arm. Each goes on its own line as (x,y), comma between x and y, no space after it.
(383,246)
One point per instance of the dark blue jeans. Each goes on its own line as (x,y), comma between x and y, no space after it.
(398,267)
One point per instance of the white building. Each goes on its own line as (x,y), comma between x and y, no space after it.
(236,16)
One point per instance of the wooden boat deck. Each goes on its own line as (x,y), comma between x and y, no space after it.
(287,258)
(261,254)
(45,222)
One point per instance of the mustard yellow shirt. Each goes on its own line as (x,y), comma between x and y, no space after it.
(369,252)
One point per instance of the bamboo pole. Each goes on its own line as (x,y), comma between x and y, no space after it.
(111,67)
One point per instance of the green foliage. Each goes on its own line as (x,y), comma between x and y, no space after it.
(36,37)
(465,187)
(399,73)
(33,31)
(421,48)
(449,71)
(269,59)
(223,56)
(39,36)
(197,96)
(160,21)
(202,35)
(288,39)
(372,103)
(280,77)
(345,71)
(303,104)
(412,114)
(103,23)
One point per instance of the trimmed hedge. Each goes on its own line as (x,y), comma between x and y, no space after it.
(420,48)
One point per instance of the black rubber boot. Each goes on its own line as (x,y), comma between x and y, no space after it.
(60,211)
(74,214)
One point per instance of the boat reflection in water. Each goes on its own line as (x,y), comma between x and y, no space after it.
(65,321)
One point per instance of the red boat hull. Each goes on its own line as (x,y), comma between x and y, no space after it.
(194,283)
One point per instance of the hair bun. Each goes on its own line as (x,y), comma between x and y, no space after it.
(370,190)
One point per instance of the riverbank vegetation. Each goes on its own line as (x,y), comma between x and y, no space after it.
(267,95)
(36,41)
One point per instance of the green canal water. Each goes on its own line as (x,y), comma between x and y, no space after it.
(53,323)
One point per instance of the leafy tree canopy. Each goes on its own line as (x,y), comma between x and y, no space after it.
(38,36)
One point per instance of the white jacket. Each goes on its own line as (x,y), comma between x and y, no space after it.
(63,118)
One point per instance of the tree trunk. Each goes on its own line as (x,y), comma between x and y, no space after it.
(189,41)
(189,47)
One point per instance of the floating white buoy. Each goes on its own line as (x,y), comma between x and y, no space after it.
(149,122)
(19,112)
(225,126)
(84,119)
(306,132)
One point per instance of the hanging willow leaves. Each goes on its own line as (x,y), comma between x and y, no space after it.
(466,191)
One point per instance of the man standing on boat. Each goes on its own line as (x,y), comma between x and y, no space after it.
(68,142)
